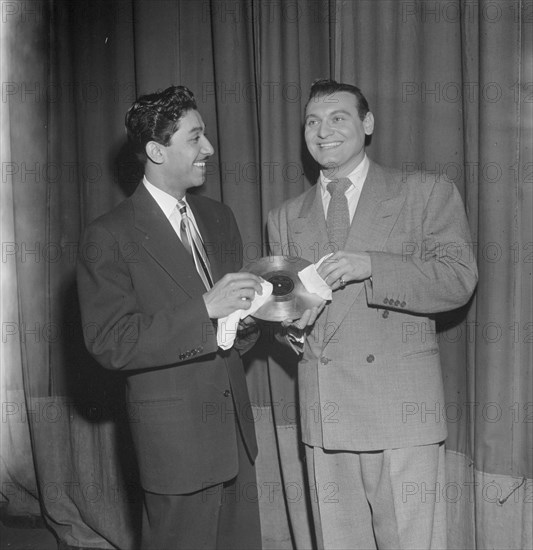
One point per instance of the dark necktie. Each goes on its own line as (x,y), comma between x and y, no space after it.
(194,245)
(338,218)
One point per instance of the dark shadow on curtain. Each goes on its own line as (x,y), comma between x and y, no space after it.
(97,396)
(125,166)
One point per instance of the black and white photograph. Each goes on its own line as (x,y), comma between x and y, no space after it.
(266,275)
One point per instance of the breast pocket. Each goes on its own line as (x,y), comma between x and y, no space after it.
(421,353)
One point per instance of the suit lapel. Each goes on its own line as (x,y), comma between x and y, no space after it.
(162,243)
(309,228)
(378,209)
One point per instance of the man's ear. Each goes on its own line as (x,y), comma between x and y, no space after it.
(368,123)
(154,151)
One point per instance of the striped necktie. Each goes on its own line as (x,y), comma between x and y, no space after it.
(193,243)
(338,218)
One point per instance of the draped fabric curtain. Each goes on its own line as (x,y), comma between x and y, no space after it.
(450,87)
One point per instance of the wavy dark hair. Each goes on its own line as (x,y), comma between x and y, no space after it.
(156,117)
(323,87)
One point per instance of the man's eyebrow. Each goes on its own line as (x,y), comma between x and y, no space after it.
(196,129)
(336,112)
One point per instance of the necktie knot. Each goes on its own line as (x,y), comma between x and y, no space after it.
(339,187)
(182,208)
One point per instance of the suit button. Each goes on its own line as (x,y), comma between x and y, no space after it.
(370,359)
(385,314)
(325,360)
(397,303)
(403,304)
(200,349)
(226,393)
(385,301)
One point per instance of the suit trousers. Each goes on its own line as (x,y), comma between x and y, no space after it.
(390,499)
(223,516)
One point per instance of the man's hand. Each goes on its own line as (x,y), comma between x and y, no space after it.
(248,333)
(343,267)
(234,291)
(307,320)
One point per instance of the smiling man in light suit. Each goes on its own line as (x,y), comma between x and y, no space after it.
(370,383)
(164,267)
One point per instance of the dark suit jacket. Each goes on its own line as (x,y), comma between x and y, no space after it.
(370,377)
(143,313)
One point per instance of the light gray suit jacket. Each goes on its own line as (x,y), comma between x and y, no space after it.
(370,376)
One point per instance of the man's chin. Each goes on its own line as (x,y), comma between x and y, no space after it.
(196,183)
(330,169)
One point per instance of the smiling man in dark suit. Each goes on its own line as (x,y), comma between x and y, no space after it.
(370,383)
(166,271)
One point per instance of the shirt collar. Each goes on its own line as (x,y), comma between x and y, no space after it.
(166,202)
(357,175)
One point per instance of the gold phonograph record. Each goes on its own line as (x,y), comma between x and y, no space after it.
(289,297)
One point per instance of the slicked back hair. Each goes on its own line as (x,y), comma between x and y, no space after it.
(156,117)
(325,87)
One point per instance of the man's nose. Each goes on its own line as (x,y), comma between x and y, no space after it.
(207,148)
(324,129)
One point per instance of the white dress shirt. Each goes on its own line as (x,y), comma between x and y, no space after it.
(168,203)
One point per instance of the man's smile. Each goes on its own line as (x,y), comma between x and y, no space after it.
(330,145)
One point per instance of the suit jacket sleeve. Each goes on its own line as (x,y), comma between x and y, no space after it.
(434,269)
(119,332)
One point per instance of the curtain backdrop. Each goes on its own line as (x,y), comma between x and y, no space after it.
(450,85)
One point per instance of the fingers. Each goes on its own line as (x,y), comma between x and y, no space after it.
(303,321)
(298,324)
(314,312)
(234,291)
(335,270)
(246,293)
(332,276)
(243,280)
(308,318)
(347,267)
(329,266)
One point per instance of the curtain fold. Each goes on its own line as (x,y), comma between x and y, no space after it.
(288,38)
(19,494)
(450,86)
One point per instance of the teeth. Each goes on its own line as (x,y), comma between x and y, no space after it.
(329,145)
(200,164)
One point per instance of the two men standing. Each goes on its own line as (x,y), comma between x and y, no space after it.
(401,255)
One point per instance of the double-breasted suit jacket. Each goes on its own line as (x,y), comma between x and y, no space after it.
(143,314)
(370,376)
